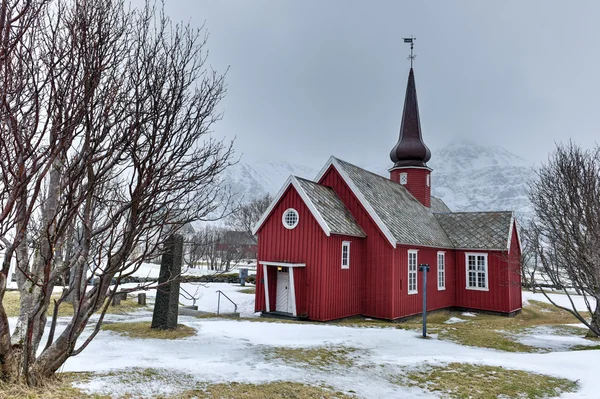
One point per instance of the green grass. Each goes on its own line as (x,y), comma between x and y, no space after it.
(273,390)
(498,332)
(251,290)
(468,381)
(143,330)
(323,357)
(11,305)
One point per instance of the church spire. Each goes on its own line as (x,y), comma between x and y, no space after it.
(410,149)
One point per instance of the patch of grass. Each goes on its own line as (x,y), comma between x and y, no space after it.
(584,347)
(273,390)
(323,357)
(497,332)
(462,380)
(11,304)
(251,290)
(143,330)
(58,387)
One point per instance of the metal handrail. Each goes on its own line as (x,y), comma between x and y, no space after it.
(188,297)
(219,302)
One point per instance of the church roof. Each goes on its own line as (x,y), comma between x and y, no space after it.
(478,230)
(439,206)
(406,218)
(331,208)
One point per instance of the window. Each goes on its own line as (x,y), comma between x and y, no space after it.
(477,276)
(290,218)
(427,180)
(441,270)
(412,271)
(346,255)
(403,178)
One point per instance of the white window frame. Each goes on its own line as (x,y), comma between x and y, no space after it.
(427,179)
(485,272)
(414,252)
(287,211)
(346,245)
(441,270)
(403,178)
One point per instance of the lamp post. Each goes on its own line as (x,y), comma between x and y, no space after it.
(425,269)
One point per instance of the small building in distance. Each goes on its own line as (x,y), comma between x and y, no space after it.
(351,241)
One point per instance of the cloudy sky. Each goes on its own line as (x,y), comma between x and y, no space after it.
(312,78)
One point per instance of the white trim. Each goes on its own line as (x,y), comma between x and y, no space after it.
(405,176)
(266,284)
(311,207)
(292,291)
(416,271)
(346,244)
(443,253)
(513,224)
(487,271)
(410,167)
(282,264)
(284,214)
(361,198)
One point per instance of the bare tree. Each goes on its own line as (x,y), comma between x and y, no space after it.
(247,215)
(566,200)
(106,151)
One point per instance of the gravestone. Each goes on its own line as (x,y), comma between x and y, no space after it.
(166,306)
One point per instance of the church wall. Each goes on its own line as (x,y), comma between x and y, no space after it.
(303,244)
(496,299)
(342,294)
(515,290)
(376,289)
(408,304)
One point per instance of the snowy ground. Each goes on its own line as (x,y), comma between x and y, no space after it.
(559,299)
(226,351)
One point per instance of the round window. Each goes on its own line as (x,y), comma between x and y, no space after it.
(290,218)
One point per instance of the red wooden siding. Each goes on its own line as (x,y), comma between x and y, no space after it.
(342,293)
(303,244)
(515,271)
(406,304)
(379,254)
(497,298)
(416,183)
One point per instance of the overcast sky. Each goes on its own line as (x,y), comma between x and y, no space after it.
(312,78)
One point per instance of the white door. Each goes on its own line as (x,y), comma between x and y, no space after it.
(283,296)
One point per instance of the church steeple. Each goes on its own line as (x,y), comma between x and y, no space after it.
(410,149)
(410,154)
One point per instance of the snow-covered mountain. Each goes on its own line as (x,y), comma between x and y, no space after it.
(474,177)
(466,175)
(253,180)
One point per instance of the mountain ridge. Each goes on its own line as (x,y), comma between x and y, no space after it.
(467,176)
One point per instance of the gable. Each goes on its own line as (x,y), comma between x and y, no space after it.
(399,216)
(324,205)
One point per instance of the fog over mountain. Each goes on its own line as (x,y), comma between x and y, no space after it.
(468,176)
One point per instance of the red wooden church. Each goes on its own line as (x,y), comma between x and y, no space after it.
(351,242)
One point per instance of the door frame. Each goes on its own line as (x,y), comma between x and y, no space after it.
(292,294)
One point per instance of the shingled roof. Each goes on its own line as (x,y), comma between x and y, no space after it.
(404,216)
(477,230)
(331,208)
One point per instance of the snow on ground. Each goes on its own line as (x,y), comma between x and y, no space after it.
(468,314)
(152,270)
(454,320)
(559,299)
(225,351)
(208,297)
(547,337)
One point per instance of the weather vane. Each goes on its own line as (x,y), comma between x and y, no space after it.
(411,40)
